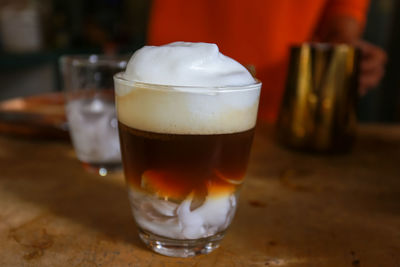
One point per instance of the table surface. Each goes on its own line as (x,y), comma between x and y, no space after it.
(296,209)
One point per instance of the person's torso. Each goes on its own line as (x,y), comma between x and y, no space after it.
(255,32)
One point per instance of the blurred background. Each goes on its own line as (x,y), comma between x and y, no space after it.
(35,33)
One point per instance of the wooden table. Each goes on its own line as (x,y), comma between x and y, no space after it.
(295,209)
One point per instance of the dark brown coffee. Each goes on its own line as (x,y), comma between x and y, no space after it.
(173,166)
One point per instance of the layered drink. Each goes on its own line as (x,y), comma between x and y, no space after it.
(186,117)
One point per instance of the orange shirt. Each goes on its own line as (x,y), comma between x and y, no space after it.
(256,32)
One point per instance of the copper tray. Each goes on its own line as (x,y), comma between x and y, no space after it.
(40,116)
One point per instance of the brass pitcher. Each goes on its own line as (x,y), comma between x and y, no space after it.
(318,110)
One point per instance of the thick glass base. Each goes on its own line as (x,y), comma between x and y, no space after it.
(180,248)
(102,169)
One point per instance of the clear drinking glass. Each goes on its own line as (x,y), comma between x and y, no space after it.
(90,110)
(185,152)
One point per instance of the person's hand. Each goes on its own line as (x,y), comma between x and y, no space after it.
(372,66)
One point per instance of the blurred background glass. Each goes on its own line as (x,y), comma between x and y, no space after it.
(90,110)
(57,27)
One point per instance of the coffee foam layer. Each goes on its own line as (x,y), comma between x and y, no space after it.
(215,104)
(177,112)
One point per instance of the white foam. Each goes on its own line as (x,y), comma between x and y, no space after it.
(186,64)
(218,104)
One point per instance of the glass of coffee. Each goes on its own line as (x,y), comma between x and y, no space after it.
(90,109)
(185,151)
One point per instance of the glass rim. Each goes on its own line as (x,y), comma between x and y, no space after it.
(118,77)
(95,60)
(324,45)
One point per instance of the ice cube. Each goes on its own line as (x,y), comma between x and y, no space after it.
(95,139)
(169,219)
